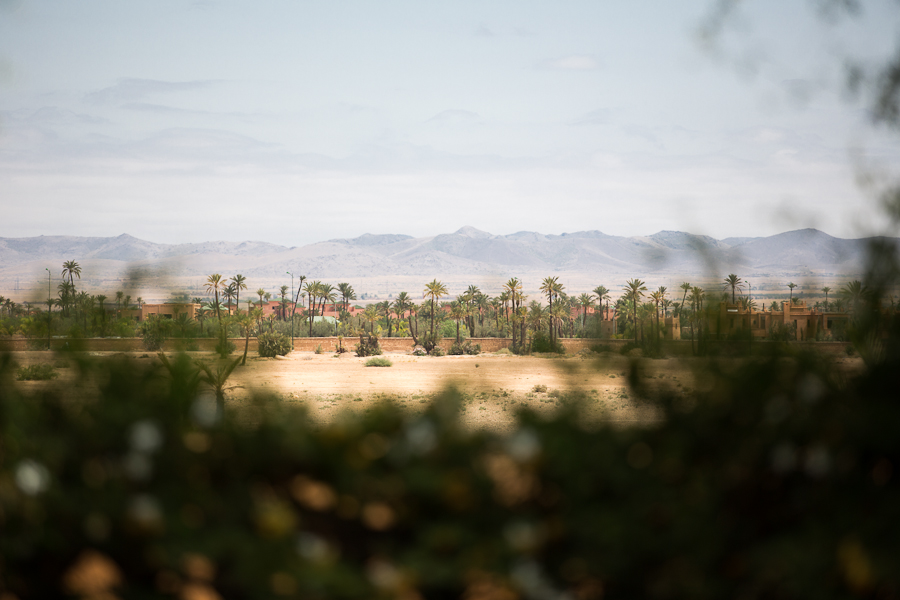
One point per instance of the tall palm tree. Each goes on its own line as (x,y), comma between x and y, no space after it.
(312,291)
(245,323)
(458,312)
(71,269)
(238,283)
(735,283)
(686,287)
(513,289)
(791,285)
(585,301)
(602,294)
(854,293)
(826,289)
(401,305)
(120,297)
(260,292)
(634,291)
(471,297)
(658,296)
(552,287)
(213,284)
(327,293)
(347,294)
(436,290)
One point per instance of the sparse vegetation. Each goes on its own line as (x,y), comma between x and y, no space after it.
(379,361)
(38,372)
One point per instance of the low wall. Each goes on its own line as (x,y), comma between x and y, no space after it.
(307,344)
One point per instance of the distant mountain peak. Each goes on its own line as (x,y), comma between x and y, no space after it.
(471,232)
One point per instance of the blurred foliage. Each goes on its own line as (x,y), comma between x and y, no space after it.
(773,479)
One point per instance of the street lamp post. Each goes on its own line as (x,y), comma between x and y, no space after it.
(293,306)
(49,305)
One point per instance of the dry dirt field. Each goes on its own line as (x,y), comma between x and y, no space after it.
(492,386)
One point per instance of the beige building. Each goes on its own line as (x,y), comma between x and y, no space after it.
(164,311)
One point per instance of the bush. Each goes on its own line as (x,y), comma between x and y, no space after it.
(154,332)
(318,349)
(437,351)
(466,347)
(379,361)
(224,347)
(431,341)
(272,344)
(541,343)
(368,345)
(41,372)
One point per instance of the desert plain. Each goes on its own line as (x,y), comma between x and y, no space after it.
(492,387)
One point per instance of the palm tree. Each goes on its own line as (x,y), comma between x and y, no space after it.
(230,293)
(551,287)
(384,309)
(260,292)
(120,297)
(791,285)
(283,291)
(458,312)
(854,292)
(585,301)
(686,287)
(71,269)
(634,291)
(213,283)
(602,294)
(370,314)
(401,305)
(436,290)
(238,283)
(216,380)
(826,289)
(735,283)
(471,298)
(327,293)
(312,291)
(513,289)
(658,297)
(347,294)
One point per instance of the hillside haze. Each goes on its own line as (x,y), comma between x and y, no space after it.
(468,253)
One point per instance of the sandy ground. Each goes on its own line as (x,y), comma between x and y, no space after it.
(492,386)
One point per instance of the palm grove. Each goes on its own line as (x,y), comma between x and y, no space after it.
(231,310)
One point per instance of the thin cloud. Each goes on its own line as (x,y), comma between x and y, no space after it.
(595,117)
(483,31)
(133,90)
(574,62)
(455,116)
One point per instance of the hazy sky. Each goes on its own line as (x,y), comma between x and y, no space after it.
(294,122)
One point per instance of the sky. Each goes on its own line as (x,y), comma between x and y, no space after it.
(293,121)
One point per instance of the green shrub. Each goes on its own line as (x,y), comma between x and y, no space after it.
(437,351)
(153,333)
(318,349)
(272,344)
(431,341)
(368,345)
(541,343)
(379,361)
(39,372)
(466,347)
(224,347)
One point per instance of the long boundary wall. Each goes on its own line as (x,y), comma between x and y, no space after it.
(396,345)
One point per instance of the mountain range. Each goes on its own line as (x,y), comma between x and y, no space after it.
(467,252)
